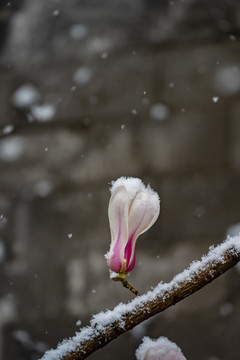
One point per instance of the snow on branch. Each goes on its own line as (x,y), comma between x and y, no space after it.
(108,325)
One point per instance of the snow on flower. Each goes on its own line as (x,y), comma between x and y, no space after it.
(133,209)
(160,349)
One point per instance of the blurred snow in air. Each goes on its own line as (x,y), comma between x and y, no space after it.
(226,309)
(227,80)
(7,129)
(83,75)
(159,112)
(78,31)
(43,112)
(43,188)
(56,12)
(215,99)
(99,44)
(25,96)
(11,149)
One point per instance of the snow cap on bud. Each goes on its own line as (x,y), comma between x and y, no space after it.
(160,349)
(133,209)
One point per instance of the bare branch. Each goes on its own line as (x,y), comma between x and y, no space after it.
(106,326)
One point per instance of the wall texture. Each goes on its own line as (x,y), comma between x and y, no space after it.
(90,91)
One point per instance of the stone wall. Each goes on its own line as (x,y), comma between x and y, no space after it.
(94,90)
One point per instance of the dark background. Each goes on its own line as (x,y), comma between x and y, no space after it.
(94,90)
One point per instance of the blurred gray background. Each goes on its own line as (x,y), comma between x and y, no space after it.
(90,91)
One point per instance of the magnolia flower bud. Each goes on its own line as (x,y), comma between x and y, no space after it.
(160,349)
(133,209)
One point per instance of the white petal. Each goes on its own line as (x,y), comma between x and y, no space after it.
(143,212)
(118,216)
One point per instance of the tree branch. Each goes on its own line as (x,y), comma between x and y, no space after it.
(106,326)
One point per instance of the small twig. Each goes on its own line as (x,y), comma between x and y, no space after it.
(126,284)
